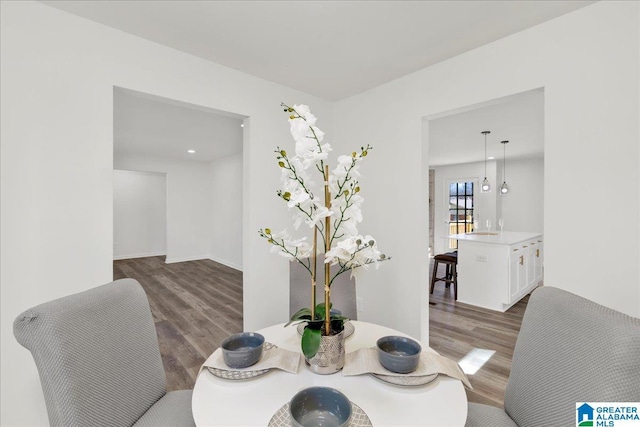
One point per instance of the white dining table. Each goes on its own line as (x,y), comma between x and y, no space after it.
(252,402)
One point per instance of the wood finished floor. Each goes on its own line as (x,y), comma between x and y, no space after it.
(456,328)
(196,304)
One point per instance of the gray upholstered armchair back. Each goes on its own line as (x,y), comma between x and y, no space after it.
(571,350)
(97,355)
(343,290)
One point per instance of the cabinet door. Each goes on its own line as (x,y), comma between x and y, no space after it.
(530,263)
(537,260)
(515,272)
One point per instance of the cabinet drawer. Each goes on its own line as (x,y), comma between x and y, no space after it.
(520,247)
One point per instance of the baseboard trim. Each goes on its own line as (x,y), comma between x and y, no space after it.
(227,263)
(184,259)
(181,259)
(145,255)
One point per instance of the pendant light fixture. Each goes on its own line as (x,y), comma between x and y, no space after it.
(504,188)
(486,187)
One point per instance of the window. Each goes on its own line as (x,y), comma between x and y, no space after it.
(460,209)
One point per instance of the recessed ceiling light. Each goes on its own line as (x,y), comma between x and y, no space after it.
(491,158)
(242,125)
(191,151)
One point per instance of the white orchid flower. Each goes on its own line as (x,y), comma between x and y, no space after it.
(299,218)
(299,126)
(318,133)
(349,228)
(304,111)
(342,252)
(348,165)
(346,247)
(298,197)
(354,251)
(320,213)
(291,248)
(309,153)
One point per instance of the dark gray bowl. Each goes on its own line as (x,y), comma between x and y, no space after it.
(242,350)
(320,407)
(399,354)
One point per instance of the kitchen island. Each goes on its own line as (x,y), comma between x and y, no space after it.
(497,269)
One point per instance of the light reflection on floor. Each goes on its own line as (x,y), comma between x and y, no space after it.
(475,359)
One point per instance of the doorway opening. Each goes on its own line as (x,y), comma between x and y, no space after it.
(456,150)
(178,191)
(200,151)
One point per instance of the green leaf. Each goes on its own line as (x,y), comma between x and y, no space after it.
(337,325)
(302,314)
(321,306)
(320,310)
(303,311)
(311,342)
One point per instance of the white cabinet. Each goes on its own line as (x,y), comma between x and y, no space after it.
(517,274)
(496,270)
(529,264)
(525,269)
(537,261)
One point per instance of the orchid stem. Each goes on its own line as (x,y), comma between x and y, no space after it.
(314,267)
(327,247)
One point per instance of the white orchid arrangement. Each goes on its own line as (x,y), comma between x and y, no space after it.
(333,212)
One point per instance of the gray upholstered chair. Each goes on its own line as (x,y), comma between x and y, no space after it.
(343,289)
(569,350)
(99,362)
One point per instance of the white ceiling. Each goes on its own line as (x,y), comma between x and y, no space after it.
(330,49)
(149,125)
(519,119)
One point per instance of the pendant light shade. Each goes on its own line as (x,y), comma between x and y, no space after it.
(485,187)
(504,188)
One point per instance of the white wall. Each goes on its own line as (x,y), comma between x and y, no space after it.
(522,208)
(189,203)
(203,208)
(57,73)
(57,76)
(485,202)
(226,241)
(139,214)
(587,62)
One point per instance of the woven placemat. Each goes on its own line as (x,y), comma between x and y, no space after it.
(236,375)
(230,374)
(406,381)
(349,329)
(365,361)
(282,418)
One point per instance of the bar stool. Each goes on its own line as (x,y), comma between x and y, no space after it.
(450,259)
